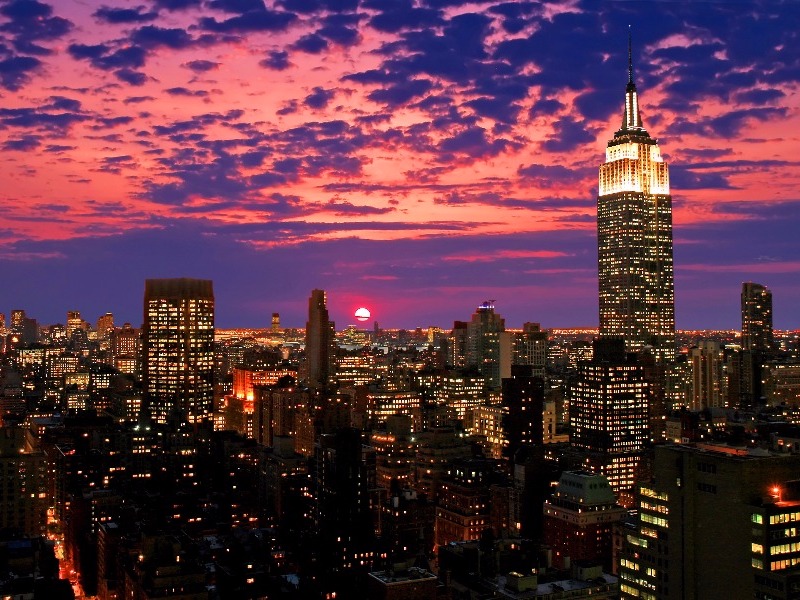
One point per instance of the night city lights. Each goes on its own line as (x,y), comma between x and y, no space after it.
(399,299)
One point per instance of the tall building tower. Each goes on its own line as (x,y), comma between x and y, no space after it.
(105,326)
(756,318)
(608,414)
(634,235)
(345,535)
(178,348)
(18,317)
(25,482)
(530,348)
(579,518)
(757,340)
(488,345)
(523,401)
(706,361)
(320,341)
(74,322)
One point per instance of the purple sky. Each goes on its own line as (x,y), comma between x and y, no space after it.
(416,158)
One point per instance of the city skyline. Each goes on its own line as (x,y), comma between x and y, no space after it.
(413,159)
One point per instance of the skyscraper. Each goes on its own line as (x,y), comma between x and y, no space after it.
(178,348)
(608,413)
(320,341)
(488,345)
(757,340)
(706,361)
(105,326)
(523,401)
(74,322)
(634,235)
(756,317)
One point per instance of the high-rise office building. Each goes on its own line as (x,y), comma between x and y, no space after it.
(608,413)
(488,345)
(757,340)
(320,341)
(530,348)
(634,235)
(24,486)
(105,325)
(756,318)
(178,348)
(523,401)
(715,522)
(74,322)
(24,329)
(18,317)
(706,361)
(345,476)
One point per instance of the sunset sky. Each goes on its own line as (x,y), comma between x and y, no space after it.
(413,157)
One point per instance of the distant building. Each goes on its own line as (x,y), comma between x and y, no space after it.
(530,348)
(757,318)
(489,345)
(782,384)
(482,344)
(320,342)
(105,326)
(178,348)
(523,400)
(706,361)
(125,343)
(758,343)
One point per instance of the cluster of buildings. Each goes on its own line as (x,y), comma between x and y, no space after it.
(174,460)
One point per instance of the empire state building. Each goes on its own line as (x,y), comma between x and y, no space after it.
(634,235)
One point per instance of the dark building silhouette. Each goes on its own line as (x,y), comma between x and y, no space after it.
(320,342)
(523,399)
(758,342)
(345,478)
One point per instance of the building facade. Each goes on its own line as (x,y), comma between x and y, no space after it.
(634,231)
(178,348)
(579,518)
(715,522)
(757,318)
(609,413)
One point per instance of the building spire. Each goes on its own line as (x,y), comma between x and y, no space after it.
(631,119)
(630,57)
